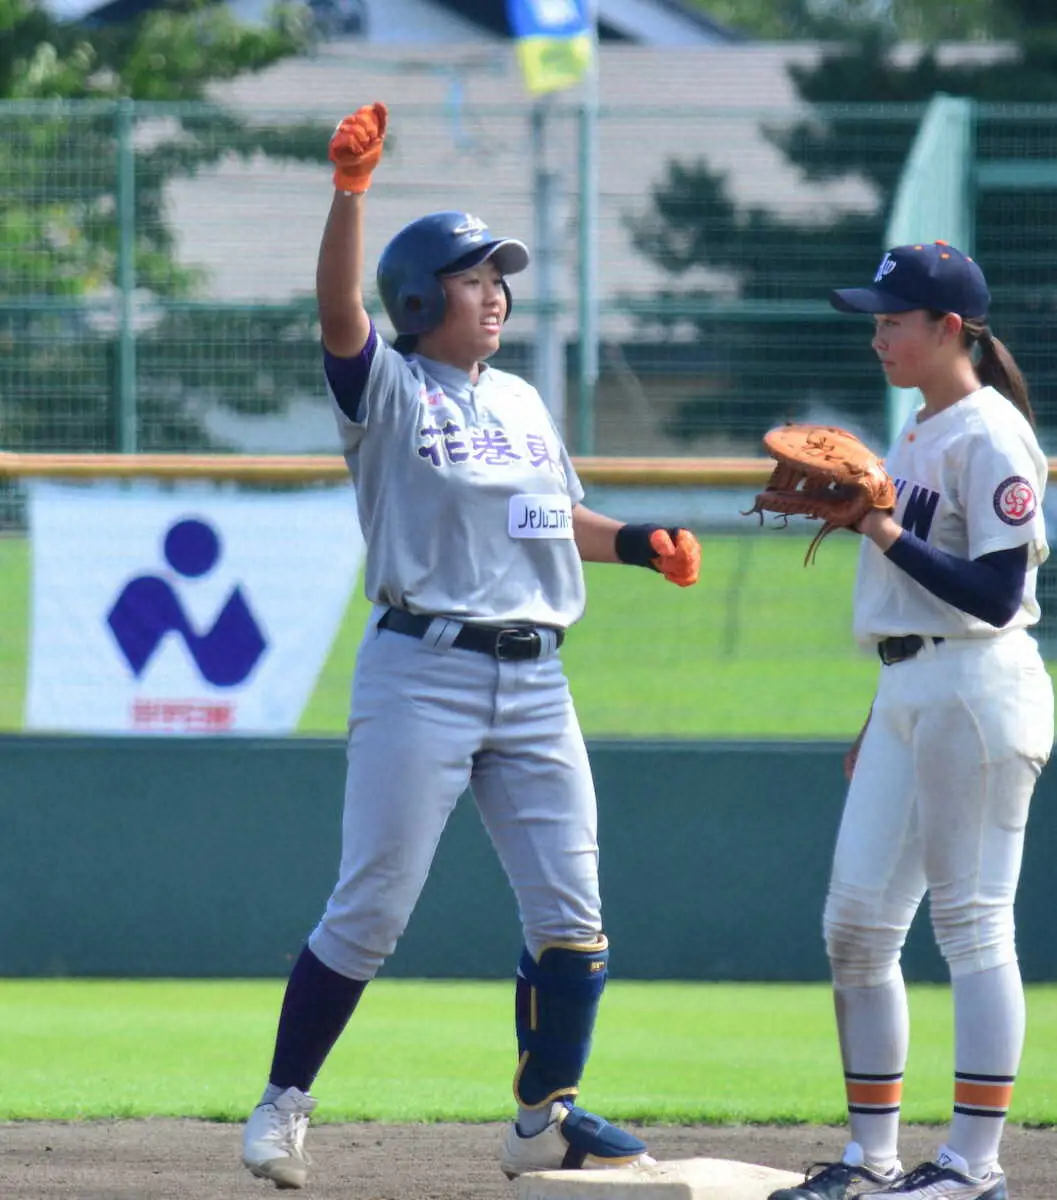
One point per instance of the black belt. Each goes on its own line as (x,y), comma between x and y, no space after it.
(509,642)
(898,649)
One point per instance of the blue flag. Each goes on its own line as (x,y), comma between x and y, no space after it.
(553,42)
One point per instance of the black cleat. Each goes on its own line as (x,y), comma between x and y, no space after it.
(836,1181)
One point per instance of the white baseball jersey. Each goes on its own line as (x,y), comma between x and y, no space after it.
(969,481)
(465,494)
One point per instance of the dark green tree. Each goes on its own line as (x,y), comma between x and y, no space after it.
(776,351)
(925,20)
(62,257)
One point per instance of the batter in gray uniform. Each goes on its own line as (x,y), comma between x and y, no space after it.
(475,532)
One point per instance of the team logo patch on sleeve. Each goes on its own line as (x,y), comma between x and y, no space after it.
(1015,501)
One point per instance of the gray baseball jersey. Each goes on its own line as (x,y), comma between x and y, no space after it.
(465,494)
(465,497)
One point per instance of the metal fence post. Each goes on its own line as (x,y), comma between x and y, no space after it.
(588,281)
(127,439)
(549,349)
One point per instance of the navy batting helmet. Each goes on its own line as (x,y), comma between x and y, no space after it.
(442,243)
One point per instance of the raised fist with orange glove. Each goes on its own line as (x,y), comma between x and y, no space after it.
(675,553)
(356,147)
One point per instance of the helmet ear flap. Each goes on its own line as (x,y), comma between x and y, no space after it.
(410,301)
(420,309)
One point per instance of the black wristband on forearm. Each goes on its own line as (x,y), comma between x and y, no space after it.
(633,545)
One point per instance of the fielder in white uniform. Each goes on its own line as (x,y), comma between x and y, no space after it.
(943,772)
(475,532)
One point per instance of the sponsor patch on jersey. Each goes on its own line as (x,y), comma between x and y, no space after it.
(540,516)
(1015,501)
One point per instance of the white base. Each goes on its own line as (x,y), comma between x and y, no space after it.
(676,1179)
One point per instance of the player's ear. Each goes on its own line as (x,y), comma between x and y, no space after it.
(952,325)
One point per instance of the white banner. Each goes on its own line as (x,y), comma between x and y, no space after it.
(189,609)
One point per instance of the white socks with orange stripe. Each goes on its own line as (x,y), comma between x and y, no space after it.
(988,1039)
(873,1024)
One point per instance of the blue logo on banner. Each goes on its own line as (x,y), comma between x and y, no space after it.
(148,609)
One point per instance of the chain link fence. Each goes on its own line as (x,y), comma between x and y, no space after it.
(157,262)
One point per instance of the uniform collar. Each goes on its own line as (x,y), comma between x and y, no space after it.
(454,380)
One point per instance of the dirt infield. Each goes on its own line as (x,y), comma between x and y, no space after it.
(196,1160)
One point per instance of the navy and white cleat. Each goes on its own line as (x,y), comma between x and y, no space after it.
(843,1180)
(948,1179)
(573,1139)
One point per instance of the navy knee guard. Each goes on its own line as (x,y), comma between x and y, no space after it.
(556,1001)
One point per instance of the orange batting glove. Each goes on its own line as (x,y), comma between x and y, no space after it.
(678,559)
(356,147)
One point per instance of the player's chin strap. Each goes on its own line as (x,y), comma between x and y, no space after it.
(556,1001)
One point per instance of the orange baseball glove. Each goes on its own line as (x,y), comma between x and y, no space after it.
(674,552)
(678,555)
(356,147)
(825,473)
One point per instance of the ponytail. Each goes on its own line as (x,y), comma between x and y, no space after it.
(997,367)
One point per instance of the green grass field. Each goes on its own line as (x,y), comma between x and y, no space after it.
(727,659)
(14,629)
(760,648)
(679,1053)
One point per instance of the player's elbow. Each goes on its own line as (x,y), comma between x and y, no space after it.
(1006,615)
(344,330)
(1001,577)
(1001,609)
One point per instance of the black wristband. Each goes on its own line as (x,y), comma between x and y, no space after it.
(633,545)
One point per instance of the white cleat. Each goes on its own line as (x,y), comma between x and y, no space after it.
(573,1140)
(273,1140)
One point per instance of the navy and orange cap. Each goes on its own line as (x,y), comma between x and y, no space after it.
(930,275)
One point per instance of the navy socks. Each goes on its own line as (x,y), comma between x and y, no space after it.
(316,1008)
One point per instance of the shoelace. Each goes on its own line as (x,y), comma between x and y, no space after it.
(289,1131)
(824,1171)
(923,1175)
